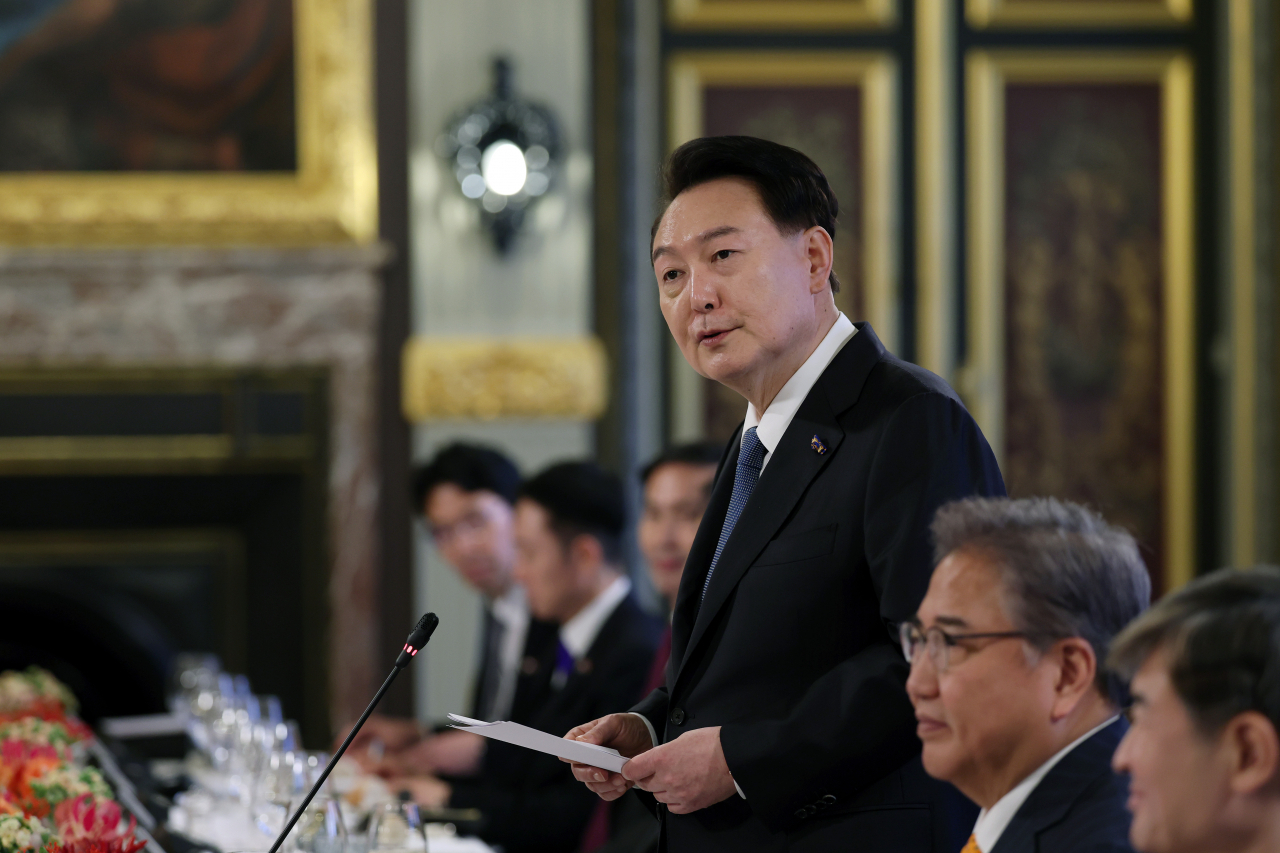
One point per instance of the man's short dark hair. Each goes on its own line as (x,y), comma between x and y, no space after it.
(471,468)
(581,498)
(791,186)
(1065,572)
(694,453)
(1221,636)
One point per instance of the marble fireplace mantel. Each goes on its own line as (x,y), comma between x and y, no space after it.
(250,307)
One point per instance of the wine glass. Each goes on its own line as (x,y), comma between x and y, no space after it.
(397,828)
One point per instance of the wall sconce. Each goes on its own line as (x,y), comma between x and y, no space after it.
(503,151)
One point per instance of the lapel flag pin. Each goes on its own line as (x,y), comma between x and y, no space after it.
(817,445)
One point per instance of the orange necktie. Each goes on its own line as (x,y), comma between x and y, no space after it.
(972,846)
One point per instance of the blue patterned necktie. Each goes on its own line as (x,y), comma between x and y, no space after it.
(745,477)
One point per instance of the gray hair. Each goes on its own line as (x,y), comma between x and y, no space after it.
(1065,572)
(1221,634)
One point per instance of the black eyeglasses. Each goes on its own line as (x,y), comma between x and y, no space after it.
(938,643)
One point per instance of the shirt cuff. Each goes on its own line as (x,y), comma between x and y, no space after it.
(738,788)
(653,735)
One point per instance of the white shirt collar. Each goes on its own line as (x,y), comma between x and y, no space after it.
(580,632)
(777,417)
(994,821)
(510,608)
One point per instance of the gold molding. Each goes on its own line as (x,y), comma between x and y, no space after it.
(779,14)
(986,73)
(490,378)
(1243,278)
(935,188)
(1074,13)
(331,199)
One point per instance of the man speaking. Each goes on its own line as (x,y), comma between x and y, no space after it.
(784,723)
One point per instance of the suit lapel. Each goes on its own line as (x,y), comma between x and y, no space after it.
(704,548)
(1058,791)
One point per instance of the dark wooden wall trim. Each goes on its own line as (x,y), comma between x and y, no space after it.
(395,552)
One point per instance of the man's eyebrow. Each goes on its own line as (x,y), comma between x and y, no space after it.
(952,621)
(722,231)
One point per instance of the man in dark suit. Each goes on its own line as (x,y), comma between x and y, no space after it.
(1014,706)
(568,525)
(783,724)
(467,496)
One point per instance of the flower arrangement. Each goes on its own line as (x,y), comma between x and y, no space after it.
(20,833)
(49,801)
(35,692)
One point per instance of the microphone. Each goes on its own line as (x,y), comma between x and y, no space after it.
(417,640)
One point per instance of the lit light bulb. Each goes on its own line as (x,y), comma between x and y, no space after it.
(503,168)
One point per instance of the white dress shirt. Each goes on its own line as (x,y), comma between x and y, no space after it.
(777,417)
(581,631)
(994,821)
(512,612)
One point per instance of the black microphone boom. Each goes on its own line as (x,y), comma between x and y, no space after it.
(417,640)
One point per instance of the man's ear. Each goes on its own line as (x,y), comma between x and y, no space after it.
(821,253)
(585,553)
(1077,668)
(1254,752)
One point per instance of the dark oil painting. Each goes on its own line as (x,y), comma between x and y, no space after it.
(825,122)
(147,86)
(1084,339)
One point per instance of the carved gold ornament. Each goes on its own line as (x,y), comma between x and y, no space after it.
(490,378)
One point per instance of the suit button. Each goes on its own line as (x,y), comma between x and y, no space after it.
(829,800)
(801,814)
(677,716)
(811,809)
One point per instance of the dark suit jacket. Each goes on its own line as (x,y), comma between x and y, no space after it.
(531,685)
(794,651)
(1078,807)
(530,801)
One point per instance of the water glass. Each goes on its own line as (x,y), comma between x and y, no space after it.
(321,828)
(397,828)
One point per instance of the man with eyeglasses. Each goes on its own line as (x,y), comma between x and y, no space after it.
(1012,702)
(466,495)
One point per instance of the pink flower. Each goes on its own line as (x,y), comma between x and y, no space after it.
(88,819)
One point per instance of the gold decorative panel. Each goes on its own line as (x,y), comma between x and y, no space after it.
(490,378)
(779,14)
(1077,13)
(1081,348)
(168,189)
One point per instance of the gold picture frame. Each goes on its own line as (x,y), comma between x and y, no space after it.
(1077,13)
(779,14)
(875,75)
(331,198)
(982,378)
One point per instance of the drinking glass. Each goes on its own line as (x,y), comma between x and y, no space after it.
(321,828)
(397,828)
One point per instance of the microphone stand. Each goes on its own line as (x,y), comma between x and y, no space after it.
(421,634)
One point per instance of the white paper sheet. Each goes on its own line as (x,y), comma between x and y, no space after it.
(514,733)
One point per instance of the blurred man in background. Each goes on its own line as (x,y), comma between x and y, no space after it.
(1013,705)
(467,495)
(568,524)
(1203,753)
(677,486)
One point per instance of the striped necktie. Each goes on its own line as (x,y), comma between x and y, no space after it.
(745,477)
